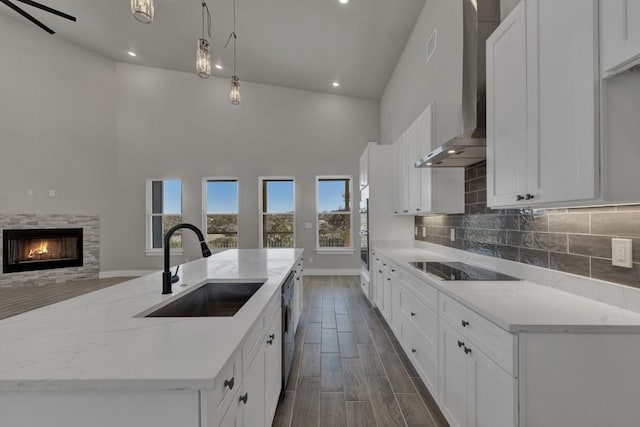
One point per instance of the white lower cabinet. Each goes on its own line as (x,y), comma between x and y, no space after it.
(474,390)
(273,368)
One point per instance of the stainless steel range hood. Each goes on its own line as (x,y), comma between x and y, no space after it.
(481,18)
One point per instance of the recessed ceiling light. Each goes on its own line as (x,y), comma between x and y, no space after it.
(343,1)
(429,164)
(132,53)
(336,84)
(219,67)
(451,151)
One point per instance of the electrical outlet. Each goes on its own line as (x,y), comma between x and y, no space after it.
(30,192)
(424,231)
(310,260)
(453,234)
(308,225)
(622,252)
(415,232)
(52,193)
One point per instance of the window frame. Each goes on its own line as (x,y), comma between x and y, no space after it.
(261,214)
(205,180)
(335,250)
(149,249)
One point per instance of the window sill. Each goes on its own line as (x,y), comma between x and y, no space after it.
(337,251)
(160,252)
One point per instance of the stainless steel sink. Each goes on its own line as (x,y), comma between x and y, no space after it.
(210,300)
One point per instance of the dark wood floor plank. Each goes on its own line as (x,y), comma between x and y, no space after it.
(361,333)
(315,316)
(398,377)
(330,341)
(414,411)
(354,381)
(380,340)
(360,414)
(332,410)
(384,403)
(284,411)
(295,371)
(348,349)
(430,402)
(328,320)
(306,408)
(331,372)
(310,363)
(370,361)
(313,334)
(355,315)
(343,323)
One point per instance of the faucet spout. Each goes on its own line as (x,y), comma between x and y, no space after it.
(166,274)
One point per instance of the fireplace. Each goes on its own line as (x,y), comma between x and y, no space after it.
(41,249)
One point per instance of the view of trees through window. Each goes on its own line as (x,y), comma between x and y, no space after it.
(334,212)
(165,212)
(277,213)
(222,213)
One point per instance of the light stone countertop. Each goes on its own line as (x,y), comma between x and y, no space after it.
(94,341)
(518,306)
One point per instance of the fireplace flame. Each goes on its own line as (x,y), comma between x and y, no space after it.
(39,250)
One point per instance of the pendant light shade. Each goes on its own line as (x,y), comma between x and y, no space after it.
(142,10)
(203,59)
(235,90)
(203,53)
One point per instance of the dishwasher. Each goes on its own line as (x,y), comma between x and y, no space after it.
(288,334)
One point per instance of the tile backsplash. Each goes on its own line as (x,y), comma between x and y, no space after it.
(574,241)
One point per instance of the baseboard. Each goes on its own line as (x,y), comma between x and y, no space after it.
(332,271)
(124,273)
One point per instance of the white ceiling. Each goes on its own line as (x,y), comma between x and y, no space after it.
(304,44)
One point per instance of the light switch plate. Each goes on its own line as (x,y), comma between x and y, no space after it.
(453,234)
(622,252)
(52,193)
(308,225)
(30,192)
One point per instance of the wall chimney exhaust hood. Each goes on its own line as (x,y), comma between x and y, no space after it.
(481,18)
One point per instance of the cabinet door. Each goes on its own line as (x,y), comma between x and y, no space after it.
(396,317)
(493,393)
(400,177)
(273,369)
(453,379)
(413,173)
(507,110)
(254,386)
(386,296)
(233,418)
(425,145)
(619,34)
(562,92)
(377,284)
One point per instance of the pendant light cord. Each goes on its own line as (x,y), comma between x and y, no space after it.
(205,8)
(234,36)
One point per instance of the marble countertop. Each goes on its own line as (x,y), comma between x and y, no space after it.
(95,341)
(518,306)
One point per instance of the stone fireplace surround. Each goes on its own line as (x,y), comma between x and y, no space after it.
(91,248)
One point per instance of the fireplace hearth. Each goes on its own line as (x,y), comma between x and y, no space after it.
(41,249)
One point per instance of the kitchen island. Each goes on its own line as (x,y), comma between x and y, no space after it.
(95,360)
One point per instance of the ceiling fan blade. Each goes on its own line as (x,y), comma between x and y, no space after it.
(48,9)
(29,17)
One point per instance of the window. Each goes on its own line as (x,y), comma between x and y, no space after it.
(221,212)
(277,213)
(333,207)
(164,210)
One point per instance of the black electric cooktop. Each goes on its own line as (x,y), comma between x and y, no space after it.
(459,271)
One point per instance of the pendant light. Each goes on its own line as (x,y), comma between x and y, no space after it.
(203,52)
(234,94)
(142,10)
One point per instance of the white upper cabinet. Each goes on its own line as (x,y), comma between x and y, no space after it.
(542,127)
(619,35)
(422,191)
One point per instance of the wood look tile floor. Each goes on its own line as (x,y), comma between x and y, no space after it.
(14,301)
(349,370)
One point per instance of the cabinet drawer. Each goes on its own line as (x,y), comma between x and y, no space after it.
(424,318)
(498,344)
(423,353)
(423,290)
(227,382)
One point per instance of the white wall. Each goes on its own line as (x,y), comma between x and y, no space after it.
(173,124)
(416,83)
(506,6)
(57,126)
